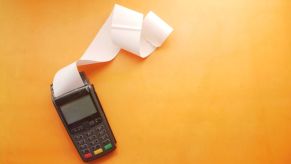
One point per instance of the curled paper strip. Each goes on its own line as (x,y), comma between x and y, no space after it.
(123,29)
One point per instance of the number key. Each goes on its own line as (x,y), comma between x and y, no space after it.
(81,142)
(83,146)
(104,137)
(102,132)
(77,137)
(90,138)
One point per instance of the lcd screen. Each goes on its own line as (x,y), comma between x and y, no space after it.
(78,109)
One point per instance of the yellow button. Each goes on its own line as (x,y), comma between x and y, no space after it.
(98,151)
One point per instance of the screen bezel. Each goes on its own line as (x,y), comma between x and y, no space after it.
(78,93)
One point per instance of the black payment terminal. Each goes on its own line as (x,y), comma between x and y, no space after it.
(85,121)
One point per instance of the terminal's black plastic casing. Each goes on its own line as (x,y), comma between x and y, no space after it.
(87,89)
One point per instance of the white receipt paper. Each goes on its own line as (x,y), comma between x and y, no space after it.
(124,29)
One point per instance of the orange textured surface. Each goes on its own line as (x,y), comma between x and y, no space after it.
(218,91)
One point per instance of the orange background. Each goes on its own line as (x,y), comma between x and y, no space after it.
(217,92)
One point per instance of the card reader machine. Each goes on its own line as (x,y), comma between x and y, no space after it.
(85,121)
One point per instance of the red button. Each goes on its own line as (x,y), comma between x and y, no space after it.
(88,155)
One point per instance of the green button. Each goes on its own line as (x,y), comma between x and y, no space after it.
(108,146)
